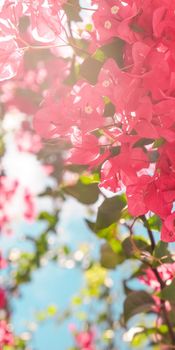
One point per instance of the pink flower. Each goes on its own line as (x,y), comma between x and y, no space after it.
(85,340)
(10,58)
(3,299)
(16,203)
(168,229)
(167,274)
(6,335)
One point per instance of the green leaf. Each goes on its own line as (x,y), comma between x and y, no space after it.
(109,212)
(41,244)
(52,310)
(109,259)
(114,50)
(72,9)
(24,23)
(137,302)
(158,143)
(171,315)
(50,218)
(154,223)
(109,233)
(130,246)
(92,65)
(76,300)
(86,194)
(143,142)
(90,69)
(109,109)
(168,293)
(99,55)
(139,340)
(162,253)
(89,27)
(90,178)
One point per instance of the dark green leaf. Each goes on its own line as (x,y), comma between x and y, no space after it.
(143,142)
(41,245)
(137,302)
(114,50)
(92,65)
(109,259)
(158,143)
(109,212)
(90,69)
(162,253)
(72,9)
(86,194)
(130,246)
(168,293)
(50,218)
(154,223)
(109,110)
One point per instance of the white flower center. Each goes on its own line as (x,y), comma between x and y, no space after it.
(106,83)
(88,109)
(114,10)
(107,25)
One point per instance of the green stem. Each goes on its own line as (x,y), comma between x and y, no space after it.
(161,282)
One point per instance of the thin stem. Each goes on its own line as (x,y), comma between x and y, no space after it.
(150,234)
(169,325)
(161,282)
(42,47)
(159,279)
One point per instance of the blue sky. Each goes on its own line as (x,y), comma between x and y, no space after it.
(55,285)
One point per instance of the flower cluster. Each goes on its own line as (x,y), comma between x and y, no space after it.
(46,25)
(15,202)
(167,273)
(6,335)
(122,121)
(135,143)
(85,340)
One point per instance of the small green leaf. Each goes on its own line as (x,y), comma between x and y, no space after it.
(154,223)
(158,143)
(90,69)
(52,310)
(72,9)
(162,253)
(109,212)
(99,55)
(109,109)
(143,142)
(168,293)
(92,65)
(86,194)
(137,302)
(130,246)
(109,259)
(90,178)
(50,218)
(89,27)
(114,50)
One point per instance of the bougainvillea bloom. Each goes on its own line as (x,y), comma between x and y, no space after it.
(167,273)
(15,202)
(6,335)
(85,340)
(3,298)
(128,99)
